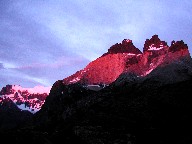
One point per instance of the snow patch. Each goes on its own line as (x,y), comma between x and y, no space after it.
(30,109)
(128,40)
(130,54)
(152,47)
(75,80)
(83,71)
(148,72)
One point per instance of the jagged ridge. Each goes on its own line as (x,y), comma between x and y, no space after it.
(126,58)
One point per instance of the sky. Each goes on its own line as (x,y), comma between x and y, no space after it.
(42,41)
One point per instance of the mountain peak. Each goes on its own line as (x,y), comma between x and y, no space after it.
(127,41)
(126,46)
(155,38)
(176,46)
(154,44)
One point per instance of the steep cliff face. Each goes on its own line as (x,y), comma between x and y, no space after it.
(126,58)
(108,67)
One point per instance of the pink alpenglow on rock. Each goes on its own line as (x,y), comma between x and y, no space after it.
(126,58)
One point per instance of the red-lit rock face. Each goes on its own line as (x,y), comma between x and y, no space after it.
(103,70)
(108,67)
(126,58)
(157,52)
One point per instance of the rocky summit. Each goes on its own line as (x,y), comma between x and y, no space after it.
(126,58)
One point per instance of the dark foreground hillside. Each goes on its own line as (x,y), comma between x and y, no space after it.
(130,113)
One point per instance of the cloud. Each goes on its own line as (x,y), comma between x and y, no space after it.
(1,66)
(10,76)
(42,73)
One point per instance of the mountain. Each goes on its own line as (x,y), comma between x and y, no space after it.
(140,98)
(126,58)
(147,99)
(151,109)
(30,99)
(11,116)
